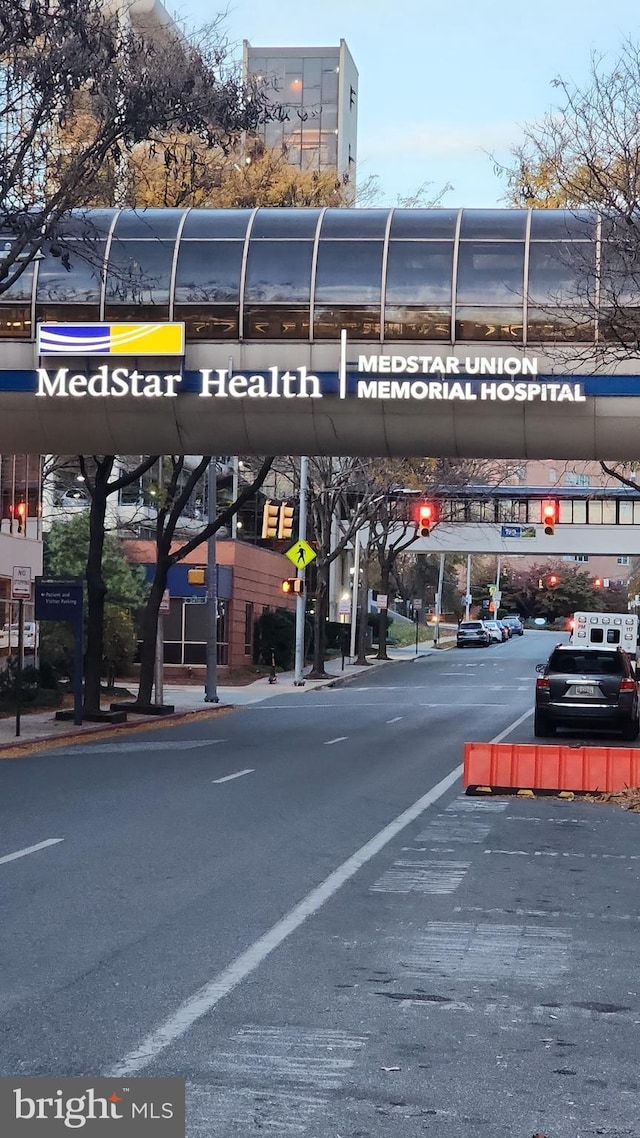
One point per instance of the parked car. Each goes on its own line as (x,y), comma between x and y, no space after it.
(586,687)
(496,631)
(515,624)
(10,636)
(473,632)
(506,629)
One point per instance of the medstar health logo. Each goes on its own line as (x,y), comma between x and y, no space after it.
(111,339)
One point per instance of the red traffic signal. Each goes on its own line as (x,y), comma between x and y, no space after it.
(553,580)
(426,518)
(549,516)
(598,583)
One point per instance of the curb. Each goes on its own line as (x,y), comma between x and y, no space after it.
(46,742)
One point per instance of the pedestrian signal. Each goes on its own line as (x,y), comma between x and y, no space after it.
(197,576)
(285,523)
(270,519)
(293,585)
(21,514)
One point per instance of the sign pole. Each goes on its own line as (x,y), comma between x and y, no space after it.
(355,594)
(467,600)
(436,631)
(78,626)
(301,600)
(416,617)
(20,662)
(211,687)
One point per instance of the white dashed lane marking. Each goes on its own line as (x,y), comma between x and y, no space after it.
(30,850)
(229,777)
(340,739)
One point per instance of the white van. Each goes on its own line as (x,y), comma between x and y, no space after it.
(606,630)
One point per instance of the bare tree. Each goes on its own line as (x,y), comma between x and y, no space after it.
(80,88)
(168,553)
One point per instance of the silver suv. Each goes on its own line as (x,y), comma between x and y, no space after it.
(473,632)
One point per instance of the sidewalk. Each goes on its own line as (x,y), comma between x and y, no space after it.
(42,728)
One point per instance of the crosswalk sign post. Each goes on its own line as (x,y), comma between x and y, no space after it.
(301,554)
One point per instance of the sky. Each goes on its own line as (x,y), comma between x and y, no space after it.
(444,88)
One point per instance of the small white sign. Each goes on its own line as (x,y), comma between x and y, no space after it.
(417,604)
(165,605)
(344,608)
(382,600)
(21,583)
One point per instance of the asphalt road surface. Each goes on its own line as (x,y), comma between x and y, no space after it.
(294,907)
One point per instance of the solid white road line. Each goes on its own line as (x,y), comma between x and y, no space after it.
(205,999)
(340,739)
(396,719)
(238,774)
(30,850)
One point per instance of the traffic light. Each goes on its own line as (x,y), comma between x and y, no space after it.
(426,518)
(21,514)
(197,576)
(598,583)
(549,517)
(285,523)
(294,585)
(270,519)
(553,580)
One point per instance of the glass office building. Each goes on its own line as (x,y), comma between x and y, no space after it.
(318,87)
(434,276)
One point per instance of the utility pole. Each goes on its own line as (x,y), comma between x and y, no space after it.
(211,692)
(497,595)
(301,600)
(354,594)
(436,631)
(467,603)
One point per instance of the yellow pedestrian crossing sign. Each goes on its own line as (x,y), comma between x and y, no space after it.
(301,554)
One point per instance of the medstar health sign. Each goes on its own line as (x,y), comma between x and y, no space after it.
(139,388)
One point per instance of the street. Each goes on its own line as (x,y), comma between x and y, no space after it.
(294,906)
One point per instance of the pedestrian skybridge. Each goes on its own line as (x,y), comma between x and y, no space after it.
(339,331)
(513,520)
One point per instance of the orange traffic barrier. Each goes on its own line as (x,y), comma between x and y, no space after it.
(551,767)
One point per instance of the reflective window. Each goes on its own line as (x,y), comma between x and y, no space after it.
(86,224)
(423,223)
(559,325)
(285,223)
(354,223)
(360,323)
(67,313)
(22,287)
(565,512)
(562,225)
(139,273)
(561,273)
(490,273)
(215,322)
(594,513)
(275,323)
(499,224)
(155,223)
(636,513)
(404,323)
(74,275)
(419,272)
(619,276)
(209,223)
(625,513)
(609,513)
(619,325)
(350,274)
(278,271)
(208,271)
(489,324)
(15,321)
(579,513)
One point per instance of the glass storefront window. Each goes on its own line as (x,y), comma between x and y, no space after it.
(419,272)
(278,272)
(15,321)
